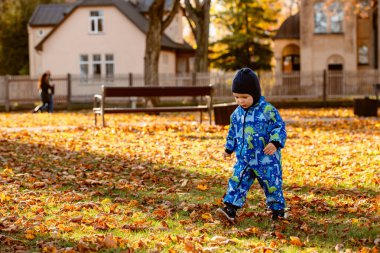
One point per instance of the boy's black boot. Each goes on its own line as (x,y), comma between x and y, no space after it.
(276,214)
(228,212)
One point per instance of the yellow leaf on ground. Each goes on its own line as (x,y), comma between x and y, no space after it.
(30,236)
(294,240)
(4,197)
(352,209)
(106,201)
(207,216)
(202,187)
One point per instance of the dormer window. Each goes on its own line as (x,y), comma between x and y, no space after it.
(96,21)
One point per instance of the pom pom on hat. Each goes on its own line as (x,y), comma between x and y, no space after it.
(247,82)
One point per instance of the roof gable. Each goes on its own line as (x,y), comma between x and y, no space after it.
(144,5)
(56,14)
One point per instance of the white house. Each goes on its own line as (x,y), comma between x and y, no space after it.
(100,38)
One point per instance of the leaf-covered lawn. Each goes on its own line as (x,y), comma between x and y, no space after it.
(152,184)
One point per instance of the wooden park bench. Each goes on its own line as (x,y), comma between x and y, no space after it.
(101,107)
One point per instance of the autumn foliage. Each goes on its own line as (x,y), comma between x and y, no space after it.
(152,183)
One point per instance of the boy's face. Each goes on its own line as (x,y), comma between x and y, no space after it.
(244,100)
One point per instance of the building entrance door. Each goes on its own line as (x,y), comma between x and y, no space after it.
(335,79)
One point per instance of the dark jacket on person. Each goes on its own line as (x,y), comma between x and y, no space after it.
(45,91)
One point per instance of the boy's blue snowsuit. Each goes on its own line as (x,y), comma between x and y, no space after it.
(250,131)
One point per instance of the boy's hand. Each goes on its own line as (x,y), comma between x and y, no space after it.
(270,149)
(226,155)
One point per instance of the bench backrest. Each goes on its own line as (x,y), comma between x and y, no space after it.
(159,91)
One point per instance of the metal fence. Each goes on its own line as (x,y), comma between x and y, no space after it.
(325,84)
(322,85)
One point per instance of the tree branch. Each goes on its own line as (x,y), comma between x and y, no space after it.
(192,16)
(171,15)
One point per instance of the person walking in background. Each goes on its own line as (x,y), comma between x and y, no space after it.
(46,90)
(51,93)
(256,134)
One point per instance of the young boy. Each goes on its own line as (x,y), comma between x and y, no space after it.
(256,135)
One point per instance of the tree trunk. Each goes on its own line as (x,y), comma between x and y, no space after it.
(199,20)
(153,43)
(157,25)
(202,40)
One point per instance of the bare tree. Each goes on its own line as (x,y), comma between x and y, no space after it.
(198,16)
(158,22)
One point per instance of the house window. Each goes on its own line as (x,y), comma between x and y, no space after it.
(336,17)
(83,66)
(96,21)
(330,19)
(363,55)
(41,33)
(110,65)
(320,18)
(291,63)
(96,65)
(93,65)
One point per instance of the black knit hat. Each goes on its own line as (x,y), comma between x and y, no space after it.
(247,82)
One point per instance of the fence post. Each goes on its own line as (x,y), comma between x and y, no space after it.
(130,79)
(194,78)
(194,83)
(68,89)
(324,87)
(133,99)
(7,93)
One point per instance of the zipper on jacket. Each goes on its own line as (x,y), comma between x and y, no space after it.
(241,150)
(245,115)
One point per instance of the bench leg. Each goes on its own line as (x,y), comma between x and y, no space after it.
(103,122)
(200,119)
(95,119)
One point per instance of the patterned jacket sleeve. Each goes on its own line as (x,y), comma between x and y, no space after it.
(230,140)
(277,130)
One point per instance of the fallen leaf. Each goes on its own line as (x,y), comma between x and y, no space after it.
(202,187)
(77,219)
(110,242)
(206,216)
(294,240)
